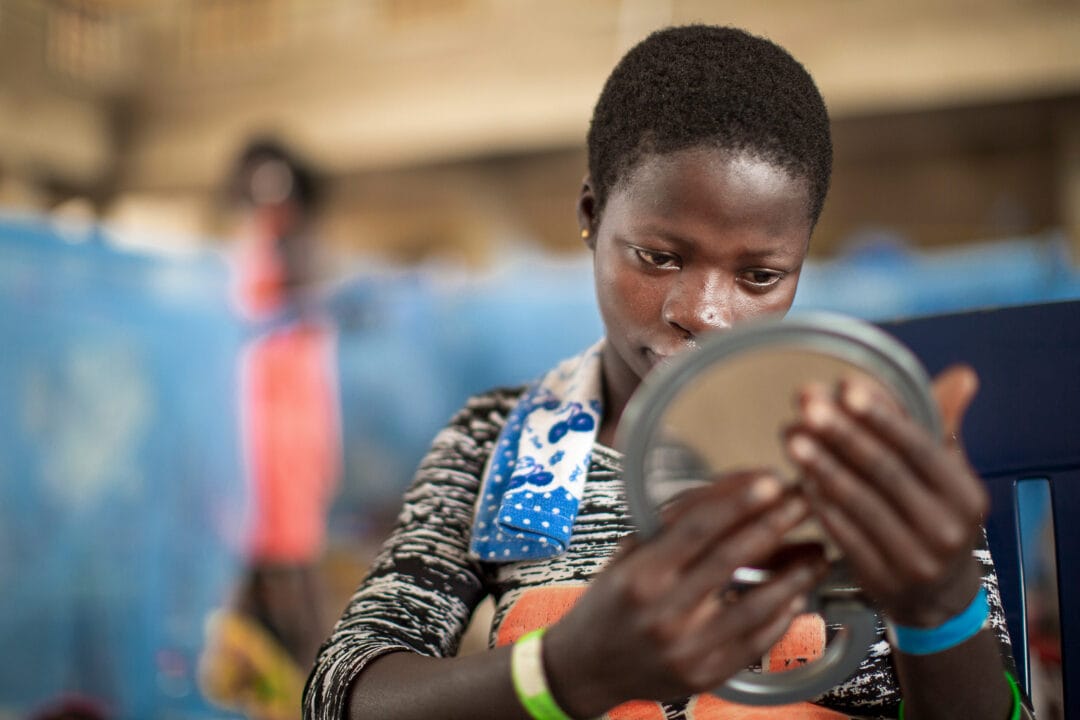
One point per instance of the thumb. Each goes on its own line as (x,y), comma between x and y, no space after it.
(954,389)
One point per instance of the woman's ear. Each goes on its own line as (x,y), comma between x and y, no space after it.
(586,213)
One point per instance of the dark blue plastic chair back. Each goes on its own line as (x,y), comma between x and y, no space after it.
(1024,424)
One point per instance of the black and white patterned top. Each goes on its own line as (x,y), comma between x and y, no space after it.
(423,586)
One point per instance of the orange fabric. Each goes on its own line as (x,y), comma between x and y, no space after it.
(638,710)
(259,276)
(537,608)
(805,640)
(710,707)
(292,441)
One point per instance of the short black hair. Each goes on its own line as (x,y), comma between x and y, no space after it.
(705,86)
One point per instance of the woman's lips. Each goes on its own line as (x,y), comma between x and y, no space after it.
(656,359)
(663,357)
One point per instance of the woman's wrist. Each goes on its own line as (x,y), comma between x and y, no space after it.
(578,694)
(952,632)
(937,605)
(530,679)
(1016,713)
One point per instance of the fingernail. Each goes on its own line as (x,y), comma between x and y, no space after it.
(801,448)
(765,489)
(857,397)
(818,413)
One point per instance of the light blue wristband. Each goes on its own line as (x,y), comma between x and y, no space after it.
(952,632)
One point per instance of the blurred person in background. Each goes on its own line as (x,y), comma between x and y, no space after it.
(262,645)
(710,157)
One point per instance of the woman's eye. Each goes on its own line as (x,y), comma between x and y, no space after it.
(660,260)
(762,278)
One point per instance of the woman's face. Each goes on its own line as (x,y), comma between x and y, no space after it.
(691,242)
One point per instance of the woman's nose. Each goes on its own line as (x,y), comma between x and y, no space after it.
(696,308)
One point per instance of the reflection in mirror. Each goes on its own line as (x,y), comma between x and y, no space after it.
(671,468)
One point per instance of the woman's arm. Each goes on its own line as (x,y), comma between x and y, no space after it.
(651,626)
(423,587)
(405,685)
(907,511)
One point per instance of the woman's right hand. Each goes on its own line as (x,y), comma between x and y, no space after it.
(656,624)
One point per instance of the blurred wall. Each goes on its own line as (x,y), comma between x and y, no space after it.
(451,126)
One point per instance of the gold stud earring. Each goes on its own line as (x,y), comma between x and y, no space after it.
(584,233)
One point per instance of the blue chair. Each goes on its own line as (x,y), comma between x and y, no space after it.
(1024,426)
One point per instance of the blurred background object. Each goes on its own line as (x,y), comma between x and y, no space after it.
(449,126)
(448,136)
(262,641)
(121,490)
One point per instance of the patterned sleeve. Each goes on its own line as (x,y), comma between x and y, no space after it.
(874,691)
(423,587)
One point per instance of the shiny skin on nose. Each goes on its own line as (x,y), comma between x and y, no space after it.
(695,308)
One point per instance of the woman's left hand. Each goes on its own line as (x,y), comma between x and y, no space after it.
(904,507)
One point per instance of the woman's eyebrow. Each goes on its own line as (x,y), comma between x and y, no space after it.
(768,253)
(650,226)
(663,233)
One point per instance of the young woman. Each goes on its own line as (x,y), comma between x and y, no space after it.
(709,161)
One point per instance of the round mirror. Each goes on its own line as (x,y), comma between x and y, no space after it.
(724,407)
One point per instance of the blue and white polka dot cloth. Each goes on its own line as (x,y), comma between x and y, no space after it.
(535,476)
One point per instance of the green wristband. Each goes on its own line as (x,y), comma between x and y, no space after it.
(1017,706)
(530,683)
(1017,702)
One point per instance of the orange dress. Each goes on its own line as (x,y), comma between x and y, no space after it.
(292,440)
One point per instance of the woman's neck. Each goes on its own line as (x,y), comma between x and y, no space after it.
(617,386)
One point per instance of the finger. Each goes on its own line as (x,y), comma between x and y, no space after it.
(808,551)
(717,488)
(700,519)
(946,473)
(954,389)
(754,541)
(722,661)
(626,546)
(874,572)
(874,536)
(749,626)
(884,580)
(889,474)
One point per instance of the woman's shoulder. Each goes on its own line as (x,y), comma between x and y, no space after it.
(478,422)
(490,406)
(462,447)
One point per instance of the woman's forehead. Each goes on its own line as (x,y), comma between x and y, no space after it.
(732,184)
(746,166)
